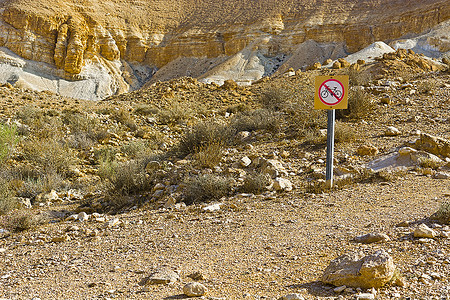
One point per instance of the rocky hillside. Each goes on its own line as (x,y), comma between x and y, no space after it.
(188,188)
(109,47)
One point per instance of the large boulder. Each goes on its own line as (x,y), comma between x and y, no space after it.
(357,270)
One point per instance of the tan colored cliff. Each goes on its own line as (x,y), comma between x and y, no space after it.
(67,34)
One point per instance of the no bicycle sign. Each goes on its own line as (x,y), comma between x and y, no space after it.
(331,92)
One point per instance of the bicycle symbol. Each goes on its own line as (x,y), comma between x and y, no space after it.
(334,92)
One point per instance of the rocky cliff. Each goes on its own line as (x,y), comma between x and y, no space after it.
(127,40)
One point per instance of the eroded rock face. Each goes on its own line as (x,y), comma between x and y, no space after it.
(357,270)
(156,33)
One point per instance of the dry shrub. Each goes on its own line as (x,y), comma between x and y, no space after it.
(359,78)
(207,188)
(360,105)
(256,183)
(124,117)
(137,149)
(175,113)
(145,110)
(205,133)
(7,200)
(443,213)
(50,155)
(209,155)
(125,179)
(260,119)
(274,98)
(344,133)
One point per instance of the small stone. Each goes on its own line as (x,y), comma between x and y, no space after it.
(423,231)
(372,238)
(194,289)
(294,296)
(392,131)
(442,175)
(245,161)
(113,222)
(61,238)
(339,289)
(212,207)
(163,276)
(365,296)
(365,150)
(82,216)
(198,275)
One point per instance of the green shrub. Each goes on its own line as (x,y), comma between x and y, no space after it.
(8,139)
(207,188)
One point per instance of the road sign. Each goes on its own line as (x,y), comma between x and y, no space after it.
(331,92)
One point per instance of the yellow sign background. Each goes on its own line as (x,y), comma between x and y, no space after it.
(343,104)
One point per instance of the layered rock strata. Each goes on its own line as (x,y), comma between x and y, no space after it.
(68,35)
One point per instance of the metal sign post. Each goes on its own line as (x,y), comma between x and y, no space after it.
(330,148)
(331,93)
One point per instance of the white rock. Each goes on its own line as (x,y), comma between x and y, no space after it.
(392,131)
(82,216)
(113,222)
(212,207)
(245,161)
(194,289)
(282,184)
(365,296)
(423,231)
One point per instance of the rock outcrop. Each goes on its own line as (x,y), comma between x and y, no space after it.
(70,36)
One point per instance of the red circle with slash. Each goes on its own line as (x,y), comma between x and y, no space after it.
(331,92)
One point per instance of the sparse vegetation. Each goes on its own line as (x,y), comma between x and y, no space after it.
(8,139)
(205,133)
(209,155)
(7,200)
(360,105)
(256,183)
(443,213)
(207,188)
